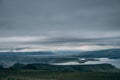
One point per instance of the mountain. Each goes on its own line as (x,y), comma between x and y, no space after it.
(109,53)
(17,66)
(1,67)
(27,53)
(74,68)
(7,59)
(67,52)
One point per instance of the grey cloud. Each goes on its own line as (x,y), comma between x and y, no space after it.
(78,41)
(71,41)
(63,22)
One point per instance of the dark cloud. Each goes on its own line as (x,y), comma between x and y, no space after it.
(62,21)
(110,41)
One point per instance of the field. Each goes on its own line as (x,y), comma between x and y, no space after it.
(52,75)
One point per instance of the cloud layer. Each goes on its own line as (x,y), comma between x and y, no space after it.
(58,23)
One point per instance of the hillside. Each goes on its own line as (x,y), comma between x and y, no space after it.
(7,59)
(81,68)
(110,53)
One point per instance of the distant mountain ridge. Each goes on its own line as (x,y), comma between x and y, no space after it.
(7,59)
(29,53)
(109,53)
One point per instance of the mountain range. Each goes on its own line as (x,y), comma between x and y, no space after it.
(7,59)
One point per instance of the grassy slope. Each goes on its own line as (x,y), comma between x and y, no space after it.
(52,75)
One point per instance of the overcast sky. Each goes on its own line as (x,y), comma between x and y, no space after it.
(59,24)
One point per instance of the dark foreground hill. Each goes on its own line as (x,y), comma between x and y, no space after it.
(74,68)
(56,72)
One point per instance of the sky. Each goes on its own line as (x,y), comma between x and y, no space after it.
(28,25)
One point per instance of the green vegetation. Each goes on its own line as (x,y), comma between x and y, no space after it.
(65,72)
(54,75)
